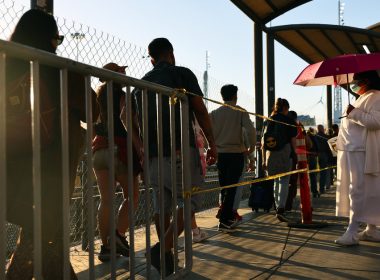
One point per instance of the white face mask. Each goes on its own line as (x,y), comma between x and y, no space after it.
(358,86)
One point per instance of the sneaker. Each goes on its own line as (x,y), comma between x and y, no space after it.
(366,236)
(122,245)
(199,235)
(282,218)
(237,216)
(227,226)
(155,260)
(104,254)
(347,239)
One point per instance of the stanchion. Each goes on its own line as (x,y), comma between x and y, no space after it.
(306,209)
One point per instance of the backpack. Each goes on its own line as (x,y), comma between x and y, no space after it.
(18,118)
(272,138)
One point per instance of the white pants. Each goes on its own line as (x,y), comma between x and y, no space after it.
(358,194)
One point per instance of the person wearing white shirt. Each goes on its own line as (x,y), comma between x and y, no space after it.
(358,145)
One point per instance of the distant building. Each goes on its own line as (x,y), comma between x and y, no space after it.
(306,120)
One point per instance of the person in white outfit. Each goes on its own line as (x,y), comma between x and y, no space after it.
(358,145)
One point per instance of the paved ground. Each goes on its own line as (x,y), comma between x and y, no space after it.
(264,248)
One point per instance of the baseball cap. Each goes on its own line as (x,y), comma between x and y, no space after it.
(114,67)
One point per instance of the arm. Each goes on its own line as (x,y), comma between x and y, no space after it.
(250,132)
(203,118)
(370,120)
(77,97)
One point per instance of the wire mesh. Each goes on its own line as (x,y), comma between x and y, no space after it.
(88,45)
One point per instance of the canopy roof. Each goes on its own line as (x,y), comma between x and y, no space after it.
(375,27)
(312,42)
(316,42)
(263,11)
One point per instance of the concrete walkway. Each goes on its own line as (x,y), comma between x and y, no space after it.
(264,248)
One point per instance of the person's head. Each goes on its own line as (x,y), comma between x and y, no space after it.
(229,92)
(320,129)
(37,29)
(281,106)
(311,130)
(160,49)
(114,67)
(364,81)
(335,128)
(293,115)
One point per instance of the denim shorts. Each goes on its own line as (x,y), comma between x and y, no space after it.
(196,180)
(100,161)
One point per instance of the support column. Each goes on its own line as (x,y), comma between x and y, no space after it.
(270,71)
(259,104)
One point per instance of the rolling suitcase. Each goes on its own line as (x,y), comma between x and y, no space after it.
(261,196)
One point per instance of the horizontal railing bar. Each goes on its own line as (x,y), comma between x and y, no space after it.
(46,58)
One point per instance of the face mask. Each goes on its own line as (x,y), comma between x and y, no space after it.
(358,87)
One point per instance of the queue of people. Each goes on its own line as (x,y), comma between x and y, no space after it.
(231,142)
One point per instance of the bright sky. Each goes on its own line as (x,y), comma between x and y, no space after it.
(219,27)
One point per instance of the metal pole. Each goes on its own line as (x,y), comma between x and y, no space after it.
(37,224)
(258,57)
(329,106)
(3,166)
(77,36)
(270,71)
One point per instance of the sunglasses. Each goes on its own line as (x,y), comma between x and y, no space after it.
(59,39)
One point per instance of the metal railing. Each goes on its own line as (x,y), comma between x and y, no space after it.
(37,58)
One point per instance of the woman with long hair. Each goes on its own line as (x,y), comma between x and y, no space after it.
(39,30)
(279,160)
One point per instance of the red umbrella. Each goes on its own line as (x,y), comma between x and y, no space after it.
(337,70)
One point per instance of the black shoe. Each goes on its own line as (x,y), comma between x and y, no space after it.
(155,260)
(280,211)
(122,245)
(282,218)
(316,194)
(104,254)
(227,226)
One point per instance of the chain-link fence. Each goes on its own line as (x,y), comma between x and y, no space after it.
(88,45)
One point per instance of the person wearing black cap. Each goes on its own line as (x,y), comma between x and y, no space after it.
(358,189)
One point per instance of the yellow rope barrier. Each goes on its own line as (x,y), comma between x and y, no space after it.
(184,91)
(199,190)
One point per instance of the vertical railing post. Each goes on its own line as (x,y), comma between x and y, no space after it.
(36,144)
(90,225)
(111,177)
(148,220)
(131,210)
(174,178)
(161,184)
(186,181)
(65,175)
(3,166)
(85,187)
